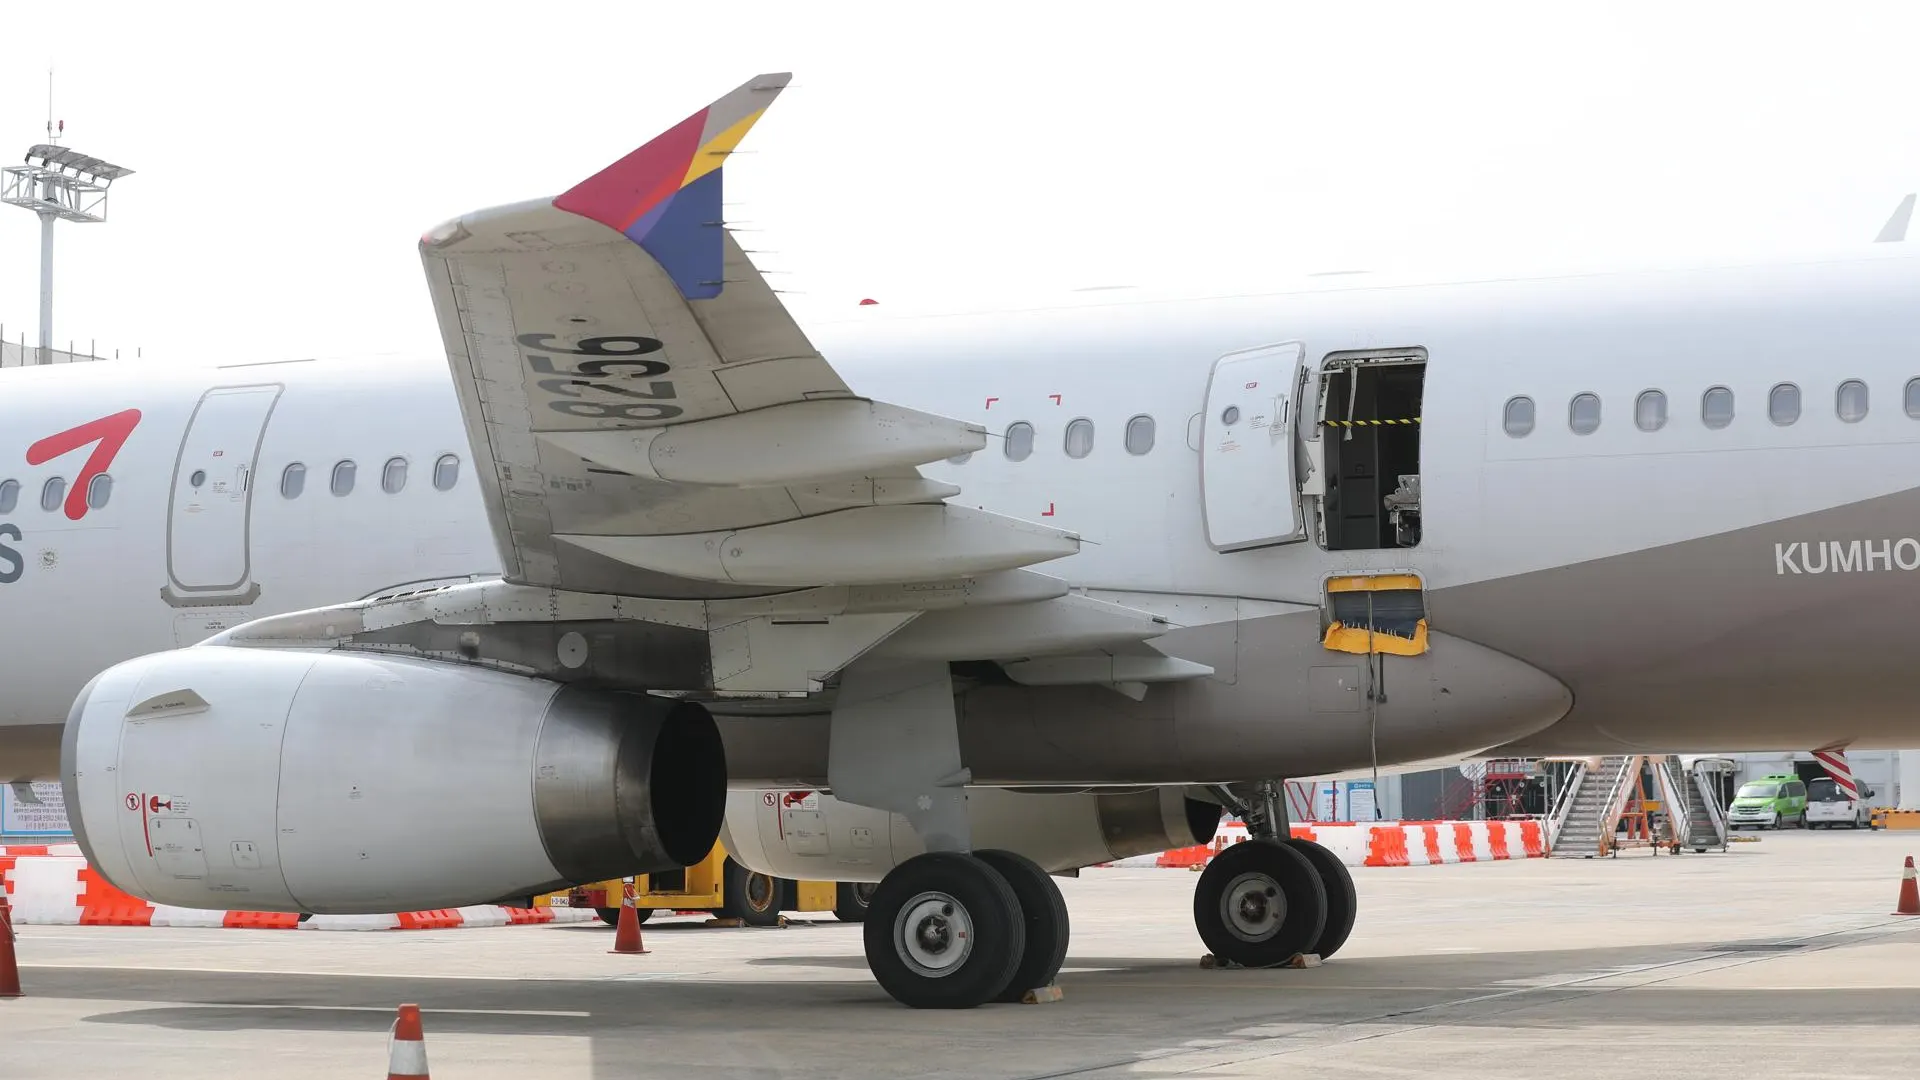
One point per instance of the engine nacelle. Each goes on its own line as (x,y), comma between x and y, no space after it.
(342,783)
(808,835)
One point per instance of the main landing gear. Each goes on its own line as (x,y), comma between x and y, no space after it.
(1261,902)
(947,930)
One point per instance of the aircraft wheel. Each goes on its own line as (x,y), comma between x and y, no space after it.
(1343,903)
(851,899)
(1044,911)
(748,895)
(945,931)
(1259,903)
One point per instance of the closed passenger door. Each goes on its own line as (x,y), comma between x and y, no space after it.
(209,517)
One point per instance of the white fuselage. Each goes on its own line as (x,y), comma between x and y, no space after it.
(79,595)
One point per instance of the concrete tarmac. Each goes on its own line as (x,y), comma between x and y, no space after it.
(1777,958)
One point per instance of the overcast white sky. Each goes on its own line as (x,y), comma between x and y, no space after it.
(287,163)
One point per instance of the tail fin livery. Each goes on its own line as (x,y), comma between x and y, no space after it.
(665,196)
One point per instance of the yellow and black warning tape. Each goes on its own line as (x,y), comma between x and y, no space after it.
(1366,423)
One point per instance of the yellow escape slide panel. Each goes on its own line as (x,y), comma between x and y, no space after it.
(1359,641)
(1369,614)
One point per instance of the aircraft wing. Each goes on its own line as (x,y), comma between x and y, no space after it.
(652,422)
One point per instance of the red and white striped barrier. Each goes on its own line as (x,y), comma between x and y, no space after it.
(39,849)
(62,890)
(1383,843)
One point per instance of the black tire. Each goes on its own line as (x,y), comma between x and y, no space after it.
(1343,903)
(748,895)
(1259,903)
(915,904)
(611,915)
(852,899)
(1044,911)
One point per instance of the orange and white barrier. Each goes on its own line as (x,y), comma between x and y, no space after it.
(1383,843)
(62,890)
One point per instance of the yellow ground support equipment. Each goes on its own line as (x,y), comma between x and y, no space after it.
(719,885)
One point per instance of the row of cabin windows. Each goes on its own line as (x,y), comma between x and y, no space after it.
(1716,408)
(293,480)
(54,492)
(393,476)
(1078,439)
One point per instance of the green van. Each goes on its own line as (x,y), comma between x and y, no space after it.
(1770,802)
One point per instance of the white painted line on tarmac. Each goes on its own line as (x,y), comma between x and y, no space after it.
(424,1009)
(582,977)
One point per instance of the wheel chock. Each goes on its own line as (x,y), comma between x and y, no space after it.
(726,922)
(1041,996)
(1297,960)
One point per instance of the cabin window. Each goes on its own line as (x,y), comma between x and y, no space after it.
(293,480)
(1518,419)
(1583,414)
(1913,398)
(53,492)
(343,477)
(1650,410)
(446,472)
(394,476)
(1716,407)
(1139,438)
(1080,438)
(1367,417)
(1850,401)
(9,496)
(99,490)
(1783,404)
(1019,444)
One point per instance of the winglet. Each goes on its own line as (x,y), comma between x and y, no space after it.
(665,196)
(1895,230)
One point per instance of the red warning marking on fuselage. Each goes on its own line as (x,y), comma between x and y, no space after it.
(1055,397)
(990,401)
(1048,512)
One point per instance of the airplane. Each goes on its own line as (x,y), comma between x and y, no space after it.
(1020,590)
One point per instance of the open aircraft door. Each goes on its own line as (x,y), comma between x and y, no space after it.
(1246,449)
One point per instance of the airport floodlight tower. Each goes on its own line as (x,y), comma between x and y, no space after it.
(59,184)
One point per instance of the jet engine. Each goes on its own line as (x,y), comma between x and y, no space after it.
(342,783)
(809,835)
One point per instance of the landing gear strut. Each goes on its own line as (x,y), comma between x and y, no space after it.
(1261,902)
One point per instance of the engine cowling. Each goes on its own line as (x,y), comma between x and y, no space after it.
(809,835)
(341,783)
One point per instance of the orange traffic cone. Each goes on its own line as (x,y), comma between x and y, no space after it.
(9,964)
(1909,891)
(626,936)
(407,1047)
